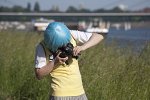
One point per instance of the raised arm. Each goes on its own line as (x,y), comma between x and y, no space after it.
(94,39)
(87,41)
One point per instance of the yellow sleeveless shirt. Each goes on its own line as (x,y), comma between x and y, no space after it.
(66,79)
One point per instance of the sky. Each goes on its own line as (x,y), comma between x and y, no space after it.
(88,4)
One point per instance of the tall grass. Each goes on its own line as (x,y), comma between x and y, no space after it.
(108,73)
(17,79)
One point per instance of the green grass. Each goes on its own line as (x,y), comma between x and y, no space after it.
(108,73)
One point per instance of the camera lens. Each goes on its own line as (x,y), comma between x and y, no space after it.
(62,55)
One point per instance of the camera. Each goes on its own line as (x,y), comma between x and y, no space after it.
(67,51)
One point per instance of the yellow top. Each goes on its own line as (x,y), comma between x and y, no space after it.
(66,79)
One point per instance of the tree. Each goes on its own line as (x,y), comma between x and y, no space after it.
(28,7)
(5,9)
(116,10)
(36,7)
(55,9)
(100,10)
(71,9)
(84,10)
(18,9)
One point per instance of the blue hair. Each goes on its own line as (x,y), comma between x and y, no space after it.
(56,35)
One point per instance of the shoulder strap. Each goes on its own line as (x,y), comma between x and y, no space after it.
(73,41)
(42,44)
(46,50)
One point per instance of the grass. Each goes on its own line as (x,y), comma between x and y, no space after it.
(108,73)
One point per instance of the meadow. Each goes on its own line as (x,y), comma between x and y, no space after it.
(108,72)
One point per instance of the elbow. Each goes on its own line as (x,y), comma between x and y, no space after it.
(38,74)
(100,37)
(103,35)
(38,77)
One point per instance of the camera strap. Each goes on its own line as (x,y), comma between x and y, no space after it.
(48,53)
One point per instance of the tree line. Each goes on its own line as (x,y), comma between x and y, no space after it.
(71,9)
(55,9)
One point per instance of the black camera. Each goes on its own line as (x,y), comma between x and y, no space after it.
(67,51)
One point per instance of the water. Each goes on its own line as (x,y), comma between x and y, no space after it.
(137,39)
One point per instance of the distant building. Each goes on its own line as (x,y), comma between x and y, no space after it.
(146,10)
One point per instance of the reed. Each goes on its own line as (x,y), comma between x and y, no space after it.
(108,72)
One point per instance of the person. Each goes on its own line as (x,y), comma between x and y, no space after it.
(66,78)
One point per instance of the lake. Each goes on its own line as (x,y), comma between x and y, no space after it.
(135,38)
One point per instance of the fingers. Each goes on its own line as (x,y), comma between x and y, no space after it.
(77,50)
(60,60)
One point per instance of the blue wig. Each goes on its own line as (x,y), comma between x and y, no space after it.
(56,35)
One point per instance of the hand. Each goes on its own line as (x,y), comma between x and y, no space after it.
(77,50)
(59,59)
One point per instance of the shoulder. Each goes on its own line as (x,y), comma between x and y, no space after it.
(39,51)
(39,47)
(40,58)
(80,36)
(76,33)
